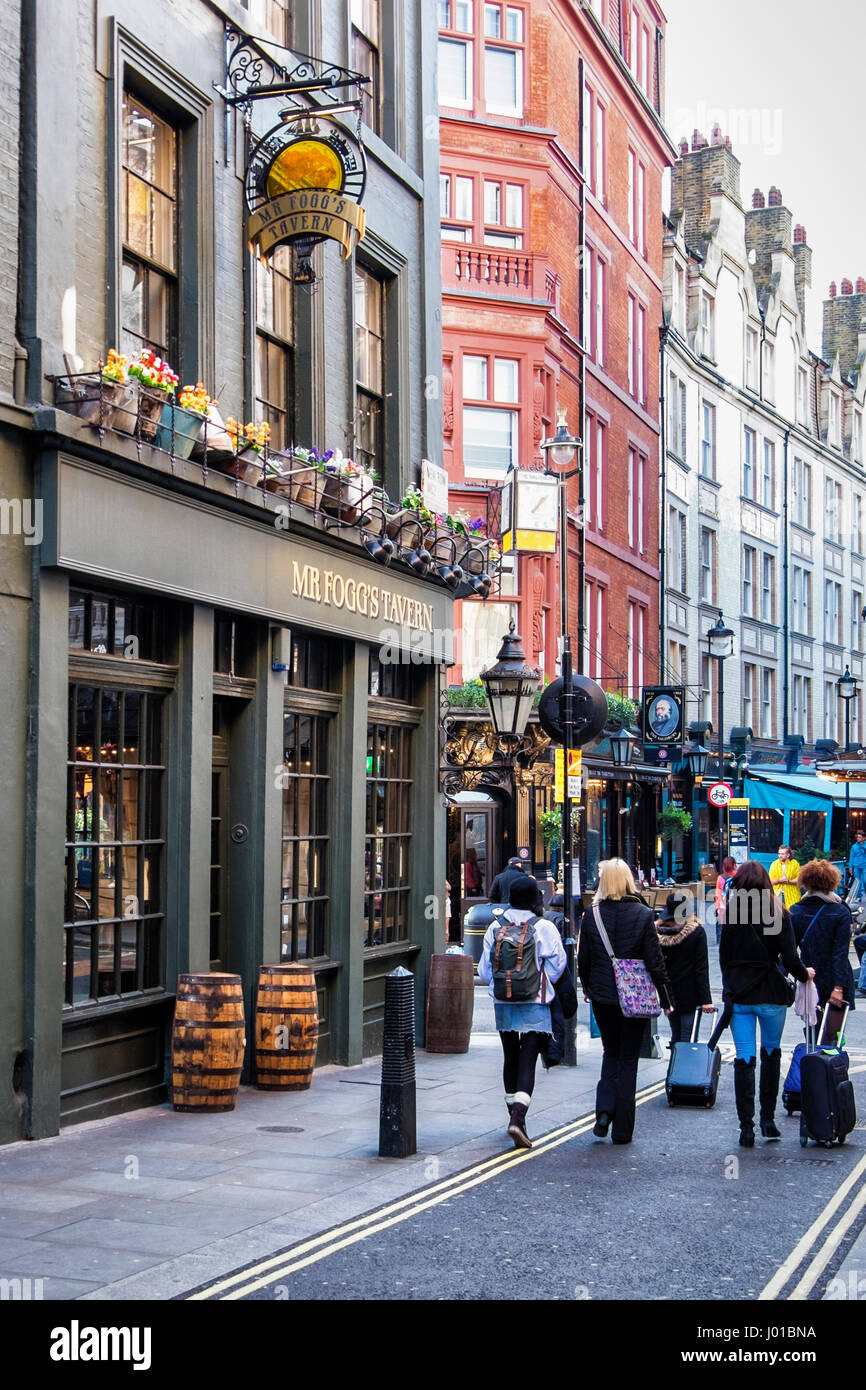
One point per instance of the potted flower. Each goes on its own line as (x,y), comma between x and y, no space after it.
(186,421)
(157,385)
(251,443)
(408,523)
(473,553)
(305,475)
(103,397)
(347,489)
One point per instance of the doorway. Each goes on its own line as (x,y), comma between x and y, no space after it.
(474,852)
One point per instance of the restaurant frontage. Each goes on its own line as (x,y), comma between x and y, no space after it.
(237,725)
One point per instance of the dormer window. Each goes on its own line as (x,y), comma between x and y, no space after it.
(834,433)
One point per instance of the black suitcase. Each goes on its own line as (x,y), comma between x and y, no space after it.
(694,1070)
(828,1112)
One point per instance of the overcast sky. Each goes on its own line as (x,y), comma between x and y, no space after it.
(784,78)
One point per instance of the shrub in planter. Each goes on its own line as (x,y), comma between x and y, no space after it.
(672,821)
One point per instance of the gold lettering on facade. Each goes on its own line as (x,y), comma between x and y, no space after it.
(332,589)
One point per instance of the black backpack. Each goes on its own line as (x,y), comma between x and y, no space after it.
(516,976)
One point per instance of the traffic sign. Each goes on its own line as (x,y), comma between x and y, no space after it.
(720,794)
(575,775)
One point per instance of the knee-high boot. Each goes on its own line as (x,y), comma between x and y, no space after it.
(744,1092)
(771,1065)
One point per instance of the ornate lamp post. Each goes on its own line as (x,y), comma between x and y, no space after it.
(847,687)
(720,642)
(511,687)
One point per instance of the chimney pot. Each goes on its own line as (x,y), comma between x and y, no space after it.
(833,289)
(684,147)
(775,198)
(717,136)
(861,285)
(728,143)
(847,287)
(758,200)
(799,235)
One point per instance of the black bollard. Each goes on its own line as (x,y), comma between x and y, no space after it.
(397,1138)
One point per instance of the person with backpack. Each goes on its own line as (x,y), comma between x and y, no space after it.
(684,947)
(522,958)
(629,926)
(757,942)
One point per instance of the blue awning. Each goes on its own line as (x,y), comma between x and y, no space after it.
(798,791)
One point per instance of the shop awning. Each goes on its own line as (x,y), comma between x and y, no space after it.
(797,791)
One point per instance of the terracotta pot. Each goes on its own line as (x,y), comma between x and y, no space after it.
(246,466)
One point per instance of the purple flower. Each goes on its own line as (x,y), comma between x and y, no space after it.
(314,455)
(328,455)
(477,524)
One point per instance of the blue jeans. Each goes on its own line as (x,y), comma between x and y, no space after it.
(744,1025)
(861,983)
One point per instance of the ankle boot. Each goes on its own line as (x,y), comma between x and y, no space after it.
(771,1064)
(744,1092)
(517,1127)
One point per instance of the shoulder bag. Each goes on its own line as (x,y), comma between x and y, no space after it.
(638,996)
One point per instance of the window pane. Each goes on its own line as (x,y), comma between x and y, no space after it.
(444,195)
(513,205)
(489,440)
(508,240)
(463,199)
(463,16)
(503,81)
(492,202)
(475,378)
(493,21)
(504,380)
(514,25)
(454,89)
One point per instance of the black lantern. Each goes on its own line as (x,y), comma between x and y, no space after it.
(720,640)
(621,744)
(696,759)
(511,687)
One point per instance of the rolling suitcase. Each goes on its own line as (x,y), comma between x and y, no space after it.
(693,1074)
(792,1091)
(828,1113)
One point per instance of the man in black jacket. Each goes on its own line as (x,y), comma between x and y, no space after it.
(684,947)
(500,890)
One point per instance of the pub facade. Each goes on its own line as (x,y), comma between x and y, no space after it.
(221,691)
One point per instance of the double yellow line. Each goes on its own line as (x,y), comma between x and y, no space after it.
(833,1240)
(309,1252)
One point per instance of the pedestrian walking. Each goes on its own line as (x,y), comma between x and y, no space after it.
(784,873)
(822,929)
(684,947)
(522,958)
(631,931)
(756,936)
(723,888)
(501,885)
(857,863)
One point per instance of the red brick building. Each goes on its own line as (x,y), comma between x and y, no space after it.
(552,154)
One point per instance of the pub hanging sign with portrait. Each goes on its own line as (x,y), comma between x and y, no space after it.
(305,181)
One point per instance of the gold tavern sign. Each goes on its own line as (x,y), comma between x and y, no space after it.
(311,213)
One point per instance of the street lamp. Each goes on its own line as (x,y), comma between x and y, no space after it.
(720,643)
(847,687)
(697,757)
(621,746)
(511,687)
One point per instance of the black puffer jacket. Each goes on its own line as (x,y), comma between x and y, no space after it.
(684,948)
(630,925)
(823,932)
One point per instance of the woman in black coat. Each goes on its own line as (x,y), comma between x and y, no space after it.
(757,935)
(822,927)
(630,926)
(684,947)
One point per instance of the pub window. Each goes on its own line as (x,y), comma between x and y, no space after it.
(306,843)
(275,337)
(114,897)
(235,646)
(315,662)
(272,15)
(109,625)
(149,212)
(387,860)
(766,829)
(391,680)
(369,369)
(366,47)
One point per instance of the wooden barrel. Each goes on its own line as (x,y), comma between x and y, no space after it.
(207,1042)
(450,999)
(287,1027)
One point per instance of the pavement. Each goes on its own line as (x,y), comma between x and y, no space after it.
(151,1204)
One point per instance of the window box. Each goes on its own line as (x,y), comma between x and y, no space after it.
(106,404)
(185,424)
(151,404)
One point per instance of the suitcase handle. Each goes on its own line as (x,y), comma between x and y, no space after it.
(696,1026)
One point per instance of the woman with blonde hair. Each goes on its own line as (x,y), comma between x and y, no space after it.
(630,928)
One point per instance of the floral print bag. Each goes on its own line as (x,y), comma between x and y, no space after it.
(638,996)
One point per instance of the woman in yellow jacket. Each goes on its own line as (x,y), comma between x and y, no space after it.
(784,873)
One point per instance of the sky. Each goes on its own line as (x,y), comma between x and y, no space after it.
(783,78)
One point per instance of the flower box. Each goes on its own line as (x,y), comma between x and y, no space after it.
(106,404)
(442,544)
(151,404)
(185,424)
(473,556)
(247,466)
(405,528)
(345,497)
(305,485)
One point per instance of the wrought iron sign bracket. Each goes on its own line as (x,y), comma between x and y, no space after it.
(254,74)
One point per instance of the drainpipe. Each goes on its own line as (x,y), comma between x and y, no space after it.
(786,639)
(663,495)
(762,312)
(581,529)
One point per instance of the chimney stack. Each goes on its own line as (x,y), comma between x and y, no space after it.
(843,318)
(802,267)
(698,175)
(769,230)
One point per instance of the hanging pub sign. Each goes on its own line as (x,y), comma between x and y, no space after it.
(662,722)
(305,180)
(305,176)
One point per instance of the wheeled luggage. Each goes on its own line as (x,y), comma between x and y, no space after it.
(828,1113)
(694,1070)
(791,1092)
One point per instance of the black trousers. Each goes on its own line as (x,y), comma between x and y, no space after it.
(621,1039)
(521,1052)
(681,1025)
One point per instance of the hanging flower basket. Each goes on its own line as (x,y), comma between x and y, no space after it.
(157,384)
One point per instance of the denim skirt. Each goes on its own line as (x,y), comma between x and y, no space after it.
(522,1018)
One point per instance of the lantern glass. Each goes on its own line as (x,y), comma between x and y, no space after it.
(720,640)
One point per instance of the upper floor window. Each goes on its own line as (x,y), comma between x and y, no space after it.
(857,523)
(857,436)
(275,346)
(706,333)
(832,612)
(750,556)
(708,565)
(678,314)
(834,435)
(490,427)
(503,213)
(768,475)
(637,501)
(456,55)
(597,458)
(832,510)
(708,440)
(637,356)
(594,142)
(641,54)
(676,416)
(802,395)
(751,362)
(769,371)
(490,63)
(677,550)
(768,589)
(274,16)
(149,211)
(456,203)
(801,599)
(369,368)
(595,289)
(802,492)
(636,202)
(750,484)
(366,48)
(503,59)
